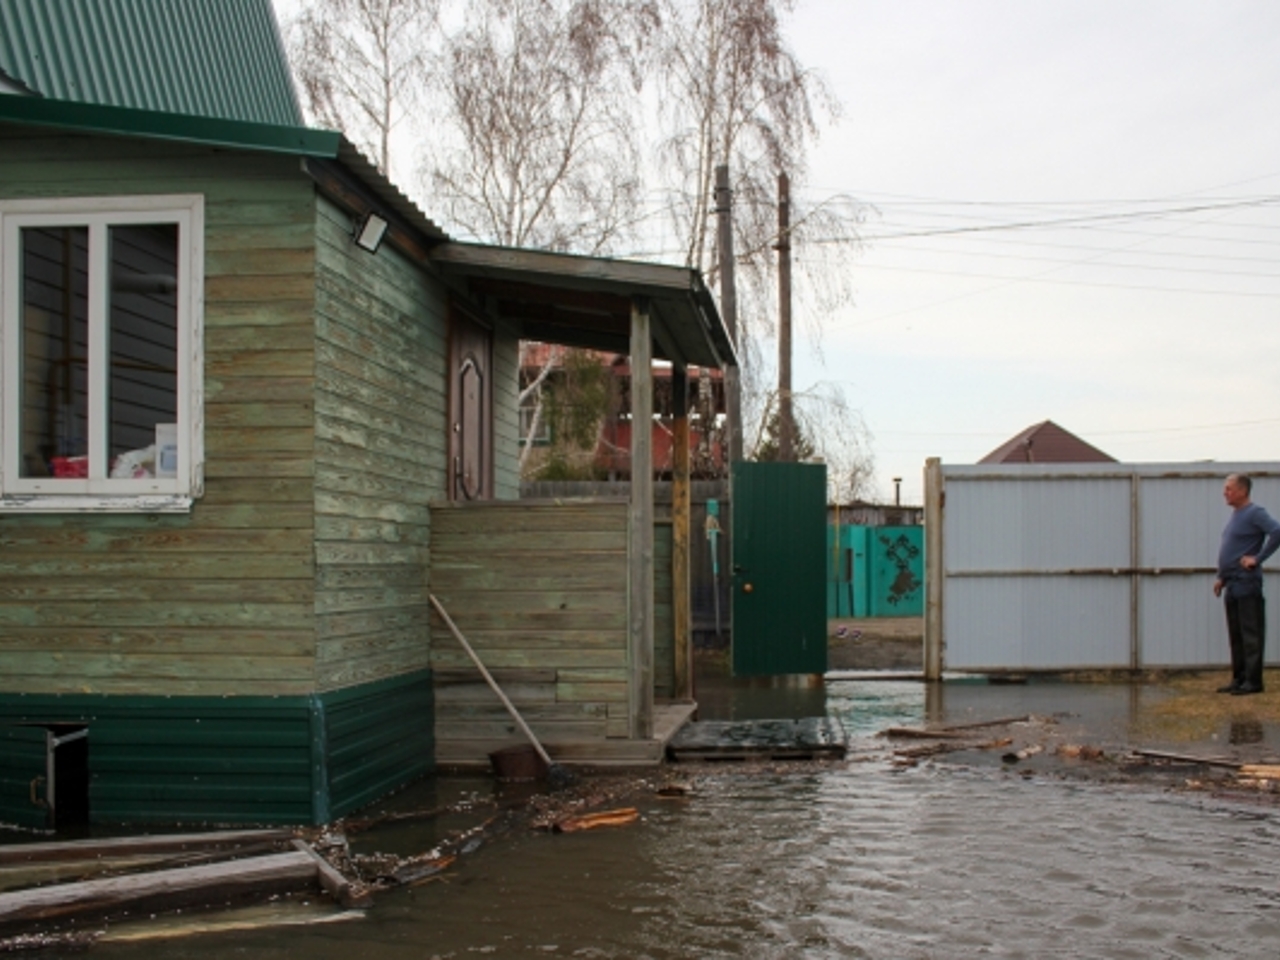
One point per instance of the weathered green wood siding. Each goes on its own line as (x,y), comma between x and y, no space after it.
(664,624)
(220,601)
(506,414)
(540,591)
(381,404)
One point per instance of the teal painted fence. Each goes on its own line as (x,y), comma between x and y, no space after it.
(875,571)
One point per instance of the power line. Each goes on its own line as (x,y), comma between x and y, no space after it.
(1070,283)
(1059,222)
(1093,433)
(1275,275)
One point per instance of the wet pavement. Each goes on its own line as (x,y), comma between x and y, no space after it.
(956,857)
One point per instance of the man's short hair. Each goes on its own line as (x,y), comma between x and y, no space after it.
(1243,480)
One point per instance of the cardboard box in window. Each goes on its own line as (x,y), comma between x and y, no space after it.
(166,449)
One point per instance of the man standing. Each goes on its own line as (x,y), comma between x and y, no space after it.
(1251,535)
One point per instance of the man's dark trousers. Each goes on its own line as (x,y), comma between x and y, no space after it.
(1247,629)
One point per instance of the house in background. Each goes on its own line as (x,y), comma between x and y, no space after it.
(255,404)
(607,454)
(1046,442)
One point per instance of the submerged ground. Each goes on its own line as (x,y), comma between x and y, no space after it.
(958,854)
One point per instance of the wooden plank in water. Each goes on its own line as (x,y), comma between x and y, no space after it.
(214,881)
(810,738)
(334,883)
(123,846)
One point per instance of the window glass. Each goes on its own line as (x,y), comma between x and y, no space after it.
(55,344)
(100,334)
(143,346)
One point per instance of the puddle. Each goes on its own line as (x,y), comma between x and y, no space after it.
(860,859)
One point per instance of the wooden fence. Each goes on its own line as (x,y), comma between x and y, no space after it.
(704,585)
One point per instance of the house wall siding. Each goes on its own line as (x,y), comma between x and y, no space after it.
(506,414)
(539,590)
(381,402)
(222,600)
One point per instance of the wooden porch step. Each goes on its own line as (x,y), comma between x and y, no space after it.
(668,718)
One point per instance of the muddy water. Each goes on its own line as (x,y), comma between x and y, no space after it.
(856,860)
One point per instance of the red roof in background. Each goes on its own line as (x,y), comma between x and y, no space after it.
(614,450)
(536,355)
(1046,443)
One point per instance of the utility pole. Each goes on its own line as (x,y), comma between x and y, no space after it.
(729,308)
(786,416)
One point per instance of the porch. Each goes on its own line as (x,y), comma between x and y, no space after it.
(580,608)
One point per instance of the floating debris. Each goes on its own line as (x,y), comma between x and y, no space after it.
(1076,751)
(590,821)
(674,790)
(1016,755)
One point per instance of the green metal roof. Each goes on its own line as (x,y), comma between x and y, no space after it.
(325,145)
(213,131)
(208,58)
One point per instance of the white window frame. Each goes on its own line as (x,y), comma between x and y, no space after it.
(101,493)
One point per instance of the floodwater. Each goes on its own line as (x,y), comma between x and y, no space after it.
(858,859)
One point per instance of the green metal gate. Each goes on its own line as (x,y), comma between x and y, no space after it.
(779,567)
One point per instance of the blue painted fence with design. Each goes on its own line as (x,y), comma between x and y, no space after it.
(875,571)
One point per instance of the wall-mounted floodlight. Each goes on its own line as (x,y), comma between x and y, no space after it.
(369,232)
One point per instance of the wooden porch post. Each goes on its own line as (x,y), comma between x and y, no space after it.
(682,612)
(640,594)
(934,570)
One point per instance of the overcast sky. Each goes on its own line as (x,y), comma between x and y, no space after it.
(1149,324)
(1153,337)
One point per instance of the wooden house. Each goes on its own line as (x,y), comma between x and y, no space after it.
(255,406)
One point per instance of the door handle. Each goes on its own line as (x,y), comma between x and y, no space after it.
(38,801)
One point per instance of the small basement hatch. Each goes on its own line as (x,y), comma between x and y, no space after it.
(44,776)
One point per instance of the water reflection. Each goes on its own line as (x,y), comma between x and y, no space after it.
(842,860)
(1246,731)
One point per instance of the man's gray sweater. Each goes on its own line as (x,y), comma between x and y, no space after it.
(1251,532)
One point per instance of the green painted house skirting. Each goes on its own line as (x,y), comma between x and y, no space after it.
(284,760)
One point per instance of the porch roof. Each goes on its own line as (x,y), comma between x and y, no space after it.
(586,301)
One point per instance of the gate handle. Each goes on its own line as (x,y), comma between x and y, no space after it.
(38,801)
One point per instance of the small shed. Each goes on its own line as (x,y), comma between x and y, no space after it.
(255,405)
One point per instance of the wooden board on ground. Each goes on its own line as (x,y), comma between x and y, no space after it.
(260,875)
(122,846)
(810,738)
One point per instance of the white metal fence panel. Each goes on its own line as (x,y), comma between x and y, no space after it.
(1182,624)
(1036,623)
(1012,525)
(1070,566)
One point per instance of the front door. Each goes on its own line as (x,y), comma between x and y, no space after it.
(470,410)
(779,568)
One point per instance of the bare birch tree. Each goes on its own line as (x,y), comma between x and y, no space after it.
(538,97)
(543,150)
(829,429)
(734,92)
(362,65)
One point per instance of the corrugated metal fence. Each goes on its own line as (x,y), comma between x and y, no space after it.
(1069,566)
